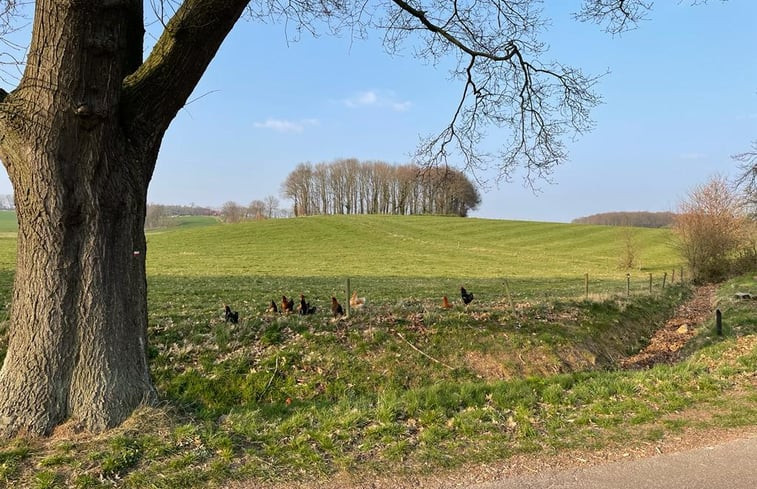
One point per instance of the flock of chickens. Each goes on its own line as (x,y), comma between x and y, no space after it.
(337,311)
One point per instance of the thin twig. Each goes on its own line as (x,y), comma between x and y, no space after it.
(270,381)
(423,352)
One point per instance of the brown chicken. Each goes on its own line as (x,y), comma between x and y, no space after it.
(336,308)
(287,305)
(445,303)
(356,302)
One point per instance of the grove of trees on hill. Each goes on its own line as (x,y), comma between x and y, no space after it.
(639,219)
(349,186)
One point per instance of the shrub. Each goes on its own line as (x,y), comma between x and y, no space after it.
(713,232)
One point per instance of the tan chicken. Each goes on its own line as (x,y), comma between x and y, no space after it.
(355,301)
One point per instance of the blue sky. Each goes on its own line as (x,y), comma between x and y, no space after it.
(680,99)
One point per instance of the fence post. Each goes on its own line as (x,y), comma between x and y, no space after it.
(719,322)
(586,283)
(682,280)
(628,284)
(664,278)
(509,297)
(650,283)
(349,293)
(673,277)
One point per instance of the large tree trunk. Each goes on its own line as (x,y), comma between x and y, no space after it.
(78,339)
(80,138)
(78,344)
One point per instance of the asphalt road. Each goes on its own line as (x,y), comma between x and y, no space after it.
(732,465)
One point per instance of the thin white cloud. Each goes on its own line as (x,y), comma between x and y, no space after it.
(401,106)
(373,98)
(692,156)
(285,126)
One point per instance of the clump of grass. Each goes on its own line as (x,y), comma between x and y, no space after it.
(12,457)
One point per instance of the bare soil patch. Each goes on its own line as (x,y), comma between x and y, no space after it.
(667,342)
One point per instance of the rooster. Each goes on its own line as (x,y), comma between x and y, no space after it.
(356,302)
(231,316)
(445,303)
(272,307)
(287,305)
(466,296)
(305,308)
(336,308)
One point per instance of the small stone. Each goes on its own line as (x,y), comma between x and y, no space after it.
(683,329)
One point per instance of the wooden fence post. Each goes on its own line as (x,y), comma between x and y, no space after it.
(664,278)
(509,297)
(586,283)
(628,284)
(349,293)
(719,322)
(650,283)
(673,277)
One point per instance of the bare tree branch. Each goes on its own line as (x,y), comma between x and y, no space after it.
(748,178)
(617,15)
(163,83)
(505,85)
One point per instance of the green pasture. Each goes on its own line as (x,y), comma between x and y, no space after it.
(8,225)
(402,386)
(392,258)
(200,264)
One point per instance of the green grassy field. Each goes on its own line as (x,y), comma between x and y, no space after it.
(8,222)
(391,258)
(402,386)
(376,246)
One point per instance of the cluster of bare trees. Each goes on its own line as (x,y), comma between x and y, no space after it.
(268,208)
(6,202)
(349,186)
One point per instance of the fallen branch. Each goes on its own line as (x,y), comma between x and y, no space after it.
(423,352)
(270,381)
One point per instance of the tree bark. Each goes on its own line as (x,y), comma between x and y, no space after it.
(78,338)
(80,138)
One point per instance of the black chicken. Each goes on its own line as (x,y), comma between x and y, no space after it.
(305,307)
(272,307)
(231,316)
(466,296)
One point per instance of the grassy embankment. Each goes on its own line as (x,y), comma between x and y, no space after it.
(402,384)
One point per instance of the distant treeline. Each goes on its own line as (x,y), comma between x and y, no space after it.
(185,210)
(159,215)
(349,186)
(7,203)
(639,219)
